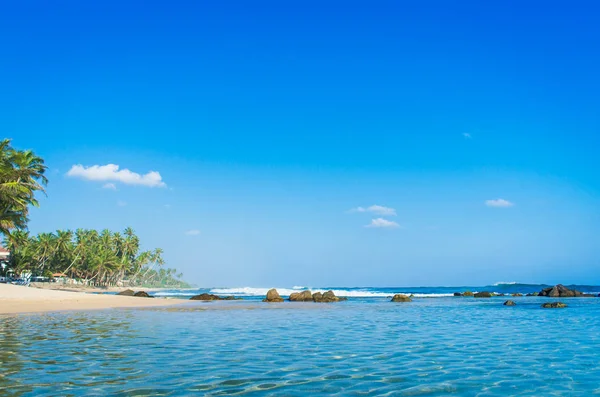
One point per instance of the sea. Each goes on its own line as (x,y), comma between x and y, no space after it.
(436,345)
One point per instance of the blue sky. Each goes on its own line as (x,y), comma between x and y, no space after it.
(270,123)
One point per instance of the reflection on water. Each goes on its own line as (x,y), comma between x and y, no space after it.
(430,347)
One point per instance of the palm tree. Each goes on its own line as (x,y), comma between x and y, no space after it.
(21,176)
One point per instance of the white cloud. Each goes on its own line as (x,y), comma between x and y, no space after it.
(499,203)
(111,172)
(467,135)
(121,203)
(380,222)
(376,209)
(193,232)
(110,186)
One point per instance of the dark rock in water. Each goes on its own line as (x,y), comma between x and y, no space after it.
(467,293)
(401,298)
(127,292)
(304,296)
(205,297)
(326,297)
(554,305)
(598,295)
(560,291)
(497,294)
(510,303)
(588,295)
(532,294)
(142,294)
(457,294)
(211,297)
(517,294)
(273,296)
(483,294)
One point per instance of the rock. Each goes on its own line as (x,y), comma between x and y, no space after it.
(304,296)
(457,294)
(554,305)
(273,296)
(328,296)
(401,298)
(497,294)
(127,292)
(142,294)
(467,293)
(532,294)
(517,294)
(483,294)
(231,298)
(560,291)
(207,297)
(510,303)
(588,295)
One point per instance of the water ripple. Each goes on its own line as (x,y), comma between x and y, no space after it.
(430,347)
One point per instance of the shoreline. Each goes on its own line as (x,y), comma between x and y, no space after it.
(16,299)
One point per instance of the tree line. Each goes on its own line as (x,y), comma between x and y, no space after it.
(96,258)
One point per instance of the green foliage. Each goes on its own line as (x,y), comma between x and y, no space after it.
(100,259)
(21,176)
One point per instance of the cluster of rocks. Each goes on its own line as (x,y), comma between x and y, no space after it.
(139,294)
(304,296)
(211,297)
(560,291)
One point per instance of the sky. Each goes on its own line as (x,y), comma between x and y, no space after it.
(338,143)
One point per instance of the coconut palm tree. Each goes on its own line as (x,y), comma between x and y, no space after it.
(21,177)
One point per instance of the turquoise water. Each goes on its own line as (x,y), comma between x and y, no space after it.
(429,347)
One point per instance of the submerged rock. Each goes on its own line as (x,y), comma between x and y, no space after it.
(142,294)
(510,303)
(517,294)
(532,294)
(560,291)
(483,294)
(211,297)
(273,296)
(304,296)
(457,294)
(467,293)
(401,298)
(127,292)
(554,305)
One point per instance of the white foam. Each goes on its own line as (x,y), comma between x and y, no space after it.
(505,283)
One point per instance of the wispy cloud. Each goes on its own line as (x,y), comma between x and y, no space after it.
(121,203)
(376,209)
(467,135)
(499,203)
(111,172)
(193,232)
(382,223)
(110,186)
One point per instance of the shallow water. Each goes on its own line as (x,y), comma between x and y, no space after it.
(429,347)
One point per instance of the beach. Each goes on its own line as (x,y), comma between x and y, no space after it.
(18,299)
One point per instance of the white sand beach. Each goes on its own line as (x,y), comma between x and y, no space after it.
(18,299)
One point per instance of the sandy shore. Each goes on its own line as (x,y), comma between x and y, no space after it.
(18,299)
